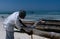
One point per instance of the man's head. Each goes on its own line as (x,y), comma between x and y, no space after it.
(22,14)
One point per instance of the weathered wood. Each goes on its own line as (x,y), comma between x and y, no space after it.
(55,22)
(29,22)
(49,29)
(51,20)
(51,35)
(47,22)
(49,25)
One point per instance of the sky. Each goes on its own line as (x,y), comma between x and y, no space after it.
(15,5)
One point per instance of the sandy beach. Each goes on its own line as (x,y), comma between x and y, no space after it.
(16,35)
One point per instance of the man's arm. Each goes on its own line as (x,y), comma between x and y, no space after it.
(22,23)
(23,28)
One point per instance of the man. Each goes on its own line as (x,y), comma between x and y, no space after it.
(14,20)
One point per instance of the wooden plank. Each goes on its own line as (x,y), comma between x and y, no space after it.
(51,20)
(51,35)
(28,22)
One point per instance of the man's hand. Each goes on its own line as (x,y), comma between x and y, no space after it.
(30,33)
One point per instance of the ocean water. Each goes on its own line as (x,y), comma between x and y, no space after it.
(37,15)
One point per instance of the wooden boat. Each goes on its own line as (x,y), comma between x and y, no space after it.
(50,25)
(49,29)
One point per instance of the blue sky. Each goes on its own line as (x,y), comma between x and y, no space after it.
(14,5)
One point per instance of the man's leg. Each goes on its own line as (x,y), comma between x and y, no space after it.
(9,35)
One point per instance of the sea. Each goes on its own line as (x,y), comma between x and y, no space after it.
(36,15)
